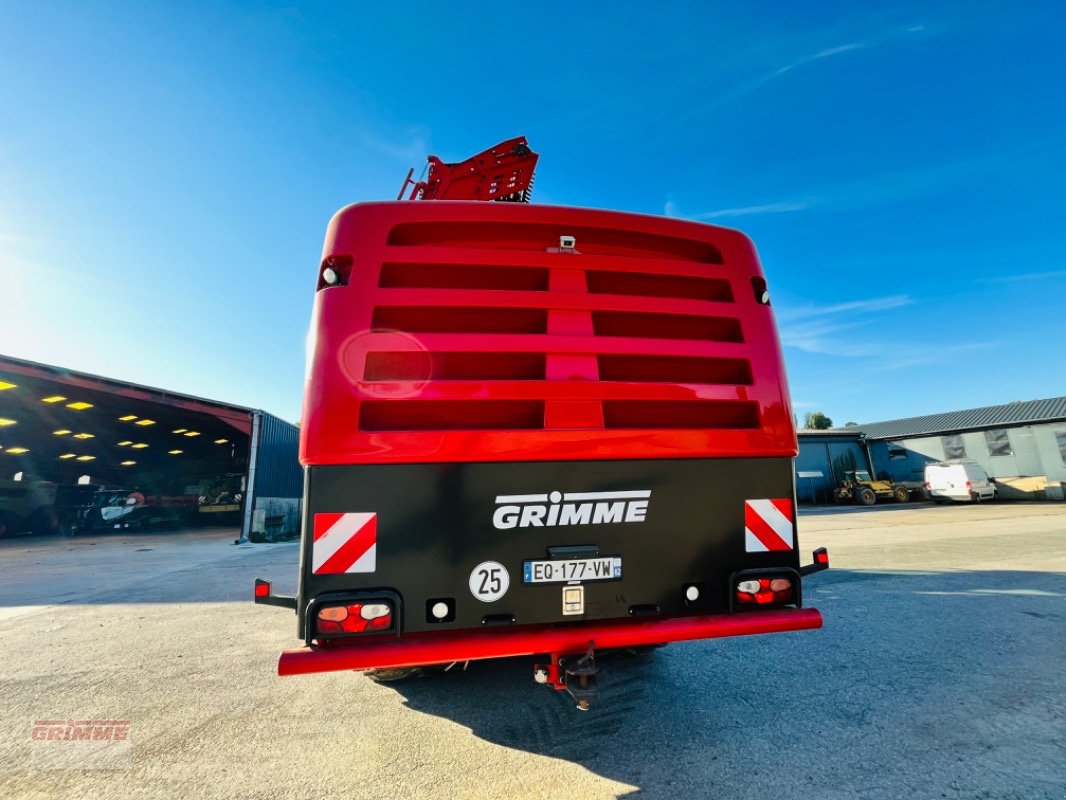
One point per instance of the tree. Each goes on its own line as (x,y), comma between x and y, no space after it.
(851,424)
(817,421)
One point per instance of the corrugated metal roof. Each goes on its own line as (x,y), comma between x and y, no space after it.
(62,375)
(1020,413)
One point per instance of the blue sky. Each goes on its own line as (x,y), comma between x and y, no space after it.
(167,172)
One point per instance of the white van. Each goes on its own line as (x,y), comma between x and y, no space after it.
(963,481)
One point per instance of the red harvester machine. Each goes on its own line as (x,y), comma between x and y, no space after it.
(537,430)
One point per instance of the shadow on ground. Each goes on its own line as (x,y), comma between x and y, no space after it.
(929,684)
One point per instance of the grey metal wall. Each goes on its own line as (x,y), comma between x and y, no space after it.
(278,470)
(898,463)
(1036,452)
(277,481)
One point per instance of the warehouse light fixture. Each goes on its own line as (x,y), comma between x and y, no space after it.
(127,418)
(65,456)
(84,435)
(128,463)
(55,398)
(123,444)
(139,446)
(61,432)
(193,433)
(5,422)
(175,452)
(179,430)
(145,422)
(86,458)
(81,405)
(17,451)
(5,385)
(221,441)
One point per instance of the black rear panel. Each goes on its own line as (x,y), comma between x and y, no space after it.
(434,526)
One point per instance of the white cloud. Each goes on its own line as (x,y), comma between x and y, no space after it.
(837,330)
(884,189)
(876,304)
(767,208)
(905,358)
(1027,276)
(829,329)
(828,52)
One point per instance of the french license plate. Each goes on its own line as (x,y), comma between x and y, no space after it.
(606,568)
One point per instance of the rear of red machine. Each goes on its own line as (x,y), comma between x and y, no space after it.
(537,430)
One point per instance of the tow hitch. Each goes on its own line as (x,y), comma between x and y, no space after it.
(572,674)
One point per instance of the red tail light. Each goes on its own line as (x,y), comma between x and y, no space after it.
(968,486)
(354,618)
(764,591)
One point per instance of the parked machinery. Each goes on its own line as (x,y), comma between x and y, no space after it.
(859,487)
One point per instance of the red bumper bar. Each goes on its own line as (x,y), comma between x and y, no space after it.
(444,648)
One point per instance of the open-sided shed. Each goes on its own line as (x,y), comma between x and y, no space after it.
(180,460)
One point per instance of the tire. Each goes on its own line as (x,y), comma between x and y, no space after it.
(901,493)
(976,496)
(867,496)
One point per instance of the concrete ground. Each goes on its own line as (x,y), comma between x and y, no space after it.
(939,674)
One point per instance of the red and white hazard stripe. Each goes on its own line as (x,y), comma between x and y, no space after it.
(344,543)
(768,525)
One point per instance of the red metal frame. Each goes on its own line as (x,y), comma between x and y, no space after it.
(503,172)
(451,646)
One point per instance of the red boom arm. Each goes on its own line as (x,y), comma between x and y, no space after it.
(503,172)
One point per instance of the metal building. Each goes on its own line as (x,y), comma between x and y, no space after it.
(824,457)
(1023,440)
(80,452)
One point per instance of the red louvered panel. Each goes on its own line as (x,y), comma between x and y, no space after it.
(465,332)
